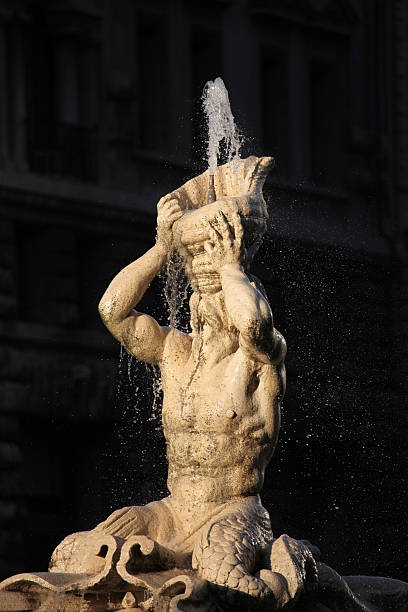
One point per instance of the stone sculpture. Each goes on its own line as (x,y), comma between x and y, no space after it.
(209,544)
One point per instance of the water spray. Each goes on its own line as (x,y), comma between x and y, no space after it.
(221,129)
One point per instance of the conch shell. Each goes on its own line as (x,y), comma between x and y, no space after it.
(238,186)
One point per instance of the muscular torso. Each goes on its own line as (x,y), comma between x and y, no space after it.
(221,422)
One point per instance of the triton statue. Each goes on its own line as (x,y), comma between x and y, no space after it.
(209,544)
(222,388)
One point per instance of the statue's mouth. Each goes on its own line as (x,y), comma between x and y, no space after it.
(206,283)
(202,276)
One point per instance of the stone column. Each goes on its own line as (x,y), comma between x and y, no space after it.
(3,96)
(400,127)
(241,66)
(300,108)
(13,391)
(180,81)
(18,97)
(13,116)
(119,108)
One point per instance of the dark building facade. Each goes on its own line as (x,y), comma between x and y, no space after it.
(99,117)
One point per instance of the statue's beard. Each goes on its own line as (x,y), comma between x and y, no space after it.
(209,309)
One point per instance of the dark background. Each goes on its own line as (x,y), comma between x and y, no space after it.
(99,117)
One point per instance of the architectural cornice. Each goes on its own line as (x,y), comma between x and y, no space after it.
(339,15)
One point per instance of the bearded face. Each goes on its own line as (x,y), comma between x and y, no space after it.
(209,309)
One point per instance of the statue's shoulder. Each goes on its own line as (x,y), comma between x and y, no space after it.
(254,364)
(177,344)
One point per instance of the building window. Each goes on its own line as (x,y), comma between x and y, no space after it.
(275,107)
(153,81)
(62,92)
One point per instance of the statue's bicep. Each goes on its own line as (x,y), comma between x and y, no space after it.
(143,337)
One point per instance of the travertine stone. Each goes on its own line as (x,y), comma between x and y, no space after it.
(208,545)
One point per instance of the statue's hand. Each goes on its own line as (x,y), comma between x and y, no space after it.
(226,244)
(168,211)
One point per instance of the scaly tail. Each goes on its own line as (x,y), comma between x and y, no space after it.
(226,554)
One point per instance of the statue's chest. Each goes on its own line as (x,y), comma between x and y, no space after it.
(206,398)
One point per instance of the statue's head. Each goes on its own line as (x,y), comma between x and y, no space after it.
(208,308)
(238,187)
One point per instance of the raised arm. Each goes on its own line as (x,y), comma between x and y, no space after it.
(247,308)
(139,333)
